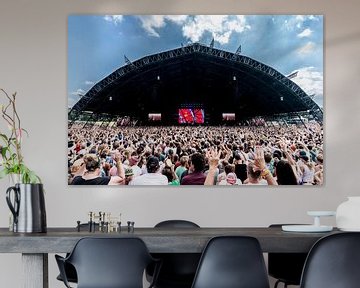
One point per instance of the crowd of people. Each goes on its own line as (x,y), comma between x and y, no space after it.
(196,155)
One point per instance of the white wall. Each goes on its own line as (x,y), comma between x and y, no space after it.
(33,62)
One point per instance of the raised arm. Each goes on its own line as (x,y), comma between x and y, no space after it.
(213,158)
(260,165)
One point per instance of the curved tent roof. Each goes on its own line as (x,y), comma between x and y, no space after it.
(218,80)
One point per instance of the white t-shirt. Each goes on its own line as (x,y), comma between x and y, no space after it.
(150,179)
(224,182)
(261,182)
(136,170)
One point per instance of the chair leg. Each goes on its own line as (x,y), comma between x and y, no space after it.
(279,281)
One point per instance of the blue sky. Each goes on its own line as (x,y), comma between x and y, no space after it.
(97,43)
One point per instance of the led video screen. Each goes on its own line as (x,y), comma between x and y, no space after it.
(228,116)
(191,116)
(154,116)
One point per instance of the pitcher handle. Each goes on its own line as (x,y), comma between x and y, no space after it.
(13,208)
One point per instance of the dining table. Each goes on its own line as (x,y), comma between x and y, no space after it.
(35,247)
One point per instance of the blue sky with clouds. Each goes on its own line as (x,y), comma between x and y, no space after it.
(97,43)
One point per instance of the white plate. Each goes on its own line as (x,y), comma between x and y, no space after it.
(306,228)
(350,229)
(321,213)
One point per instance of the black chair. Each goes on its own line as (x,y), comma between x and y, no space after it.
(333,262)
(108,263)
(178,269)
(286,267)
(69,269)
(232,262)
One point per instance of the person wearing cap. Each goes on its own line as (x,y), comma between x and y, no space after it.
(129,175)
(153,177)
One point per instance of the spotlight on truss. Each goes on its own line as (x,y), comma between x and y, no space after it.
(292,75)
(238,50)
(212,43)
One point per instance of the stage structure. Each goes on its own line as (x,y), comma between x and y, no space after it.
(205,82)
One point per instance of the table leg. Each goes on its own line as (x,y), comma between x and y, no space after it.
(35,270)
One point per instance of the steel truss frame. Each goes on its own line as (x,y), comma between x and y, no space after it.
(110,80)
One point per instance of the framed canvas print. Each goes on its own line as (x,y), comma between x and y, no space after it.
(195,100)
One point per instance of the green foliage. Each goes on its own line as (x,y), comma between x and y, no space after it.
(11,159)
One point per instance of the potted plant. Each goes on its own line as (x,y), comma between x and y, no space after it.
(25,197)
(12,161)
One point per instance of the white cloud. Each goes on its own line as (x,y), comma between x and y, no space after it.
(87,82)
(298,21)
(309,47)
(178,19)
(116,19)
(220,26)
(310,80)
(152,22)
(306,33)
(78,92)
(194,27)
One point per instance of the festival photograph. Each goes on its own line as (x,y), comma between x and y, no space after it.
(228,100)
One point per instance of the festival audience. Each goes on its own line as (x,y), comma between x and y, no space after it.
(252,153)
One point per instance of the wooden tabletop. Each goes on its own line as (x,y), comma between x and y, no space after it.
(158,240)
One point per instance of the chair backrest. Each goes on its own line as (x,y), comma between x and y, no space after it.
(286,267)
(178,269)
(232,262)
(176,224)
(333,262)
(110,262)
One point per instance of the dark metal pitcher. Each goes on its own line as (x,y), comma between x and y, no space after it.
(28,207)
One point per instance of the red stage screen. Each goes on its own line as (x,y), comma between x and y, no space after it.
(191,116)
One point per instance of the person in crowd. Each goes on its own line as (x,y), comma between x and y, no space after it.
(231,179)
(129,174)
(91,175)
(183,166)
(319,173)
(257,172)
(133,164)
(230,176)
(285,174)
(169,172)
(197,176)
(307,168)
(152,177)
(240,166)
(77,169)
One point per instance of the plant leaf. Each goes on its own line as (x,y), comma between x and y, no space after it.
(4,172)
